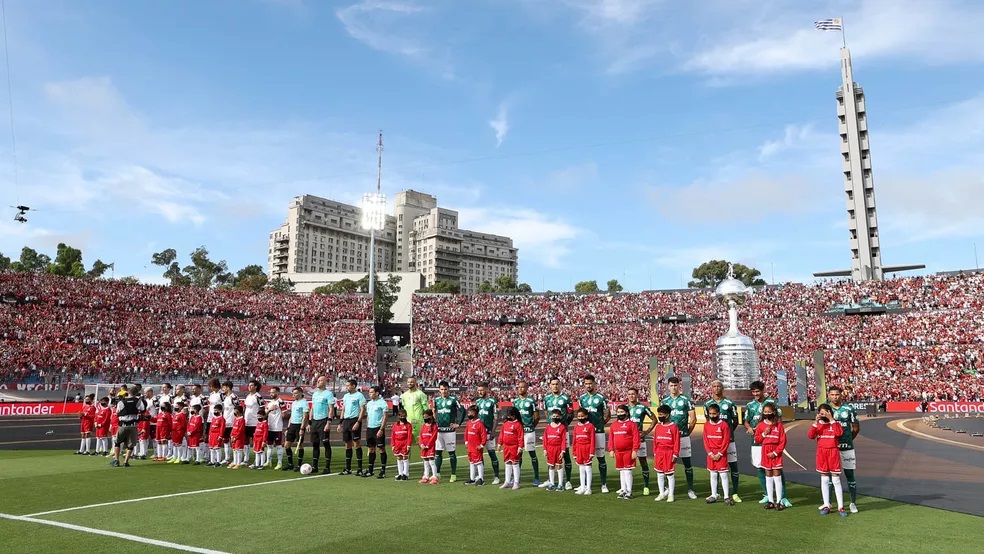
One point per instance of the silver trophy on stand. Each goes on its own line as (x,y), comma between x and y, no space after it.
(735,357)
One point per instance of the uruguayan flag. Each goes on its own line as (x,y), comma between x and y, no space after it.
(829,24)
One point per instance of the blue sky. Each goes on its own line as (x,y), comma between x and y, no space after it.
(626,139)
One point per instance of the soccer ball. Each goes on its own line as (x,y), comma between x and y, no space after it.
(306,469)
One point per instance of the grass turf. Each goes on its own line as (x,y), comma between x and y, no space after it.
(338,511)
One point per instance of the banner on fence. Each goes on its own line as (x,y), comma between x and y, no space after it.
(39,408)
(936,407)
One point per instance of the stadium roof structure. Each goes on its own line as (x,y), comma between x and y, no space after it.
(885,269)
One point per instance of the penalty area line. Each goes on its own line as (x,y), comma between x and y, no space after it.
(186,493)
(124,536)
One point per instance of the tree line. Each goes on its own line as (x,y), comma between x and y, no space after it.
(67,263)
(202,271)
(706,275)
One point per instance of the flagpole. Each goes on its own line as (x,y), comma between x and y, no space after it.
(843,33)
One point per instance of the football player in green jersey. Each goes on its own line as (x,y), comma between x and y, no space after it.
(729,413)
(684,415)
(638,412)
(558,400)
(845,415)
(450,414)
(753,415)
(488,413)
(598,414)
(529,416)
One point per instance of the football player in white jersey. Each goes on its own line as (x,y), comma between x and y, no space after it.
(275,419)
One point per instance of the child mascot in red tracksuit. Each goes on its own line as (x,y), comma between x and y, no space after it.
(771,434)
(623,441)
(476,435)
(511,445)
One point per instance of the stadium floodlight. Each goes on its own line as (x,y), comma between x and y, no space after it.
(373,219)
(373,211)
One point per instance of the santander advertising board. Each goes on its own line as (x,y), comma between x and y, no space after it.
(937,407)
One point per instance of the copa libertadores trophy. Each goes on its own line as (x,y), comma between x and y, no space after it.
(735,357)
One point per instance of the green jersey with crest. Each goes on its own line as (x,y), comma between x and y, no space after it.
(560,402)
(527,409)
(595,404)
(753,413)
(729,413)
(846,416)
(449,412)
(680,408)
(488,408)
(638,415)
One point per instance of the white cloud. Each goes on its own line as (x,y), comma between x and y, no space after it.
(954,134)
(927,174)
(500,124)
(623,30)
(538,236)
(14,236)
(176,200)
(931,206)
(794,137)
(117,158)
(751,197)
(601,12)
(394,27)
(94,107)
(109,163)
(941,32)
(734,39)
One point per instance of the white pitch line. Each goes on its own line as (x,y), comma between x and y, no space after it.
(124,536)
(174,495)
(188,493)
(786,452)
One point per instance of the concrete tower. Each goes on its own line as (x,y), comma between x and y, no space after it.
(862,216)
(859,186)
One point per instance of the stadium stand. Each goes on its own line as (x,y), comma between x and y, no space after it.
(83,330)
(928,341)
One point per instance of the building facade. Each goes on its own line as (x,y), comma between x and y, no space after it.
(324,236)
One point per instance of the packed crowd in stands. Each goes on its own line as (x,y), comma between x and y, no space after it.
(104,330)
(929,345)
(83,329)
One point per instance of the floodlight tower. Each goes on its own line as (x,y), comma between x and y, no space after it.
(374,217)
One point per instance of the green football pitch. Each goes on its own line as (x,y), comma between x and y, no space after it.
(199,509)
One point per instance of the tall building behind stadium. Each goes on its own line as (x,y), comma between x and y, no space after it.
(325,236)
(859,185)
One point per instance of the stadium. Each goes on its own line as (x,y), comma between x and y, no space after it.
(396,399)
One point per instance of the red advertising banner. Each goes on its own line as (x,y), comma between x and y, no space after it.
(39,408)
(936,407)
(39,386)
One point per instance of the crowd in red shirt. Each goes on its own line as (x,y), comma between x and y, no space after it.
(930,345)
(84,329)
(78,329)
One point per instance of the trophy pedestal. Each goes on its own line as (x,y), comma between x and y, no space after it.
(735,358)
(739,396)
